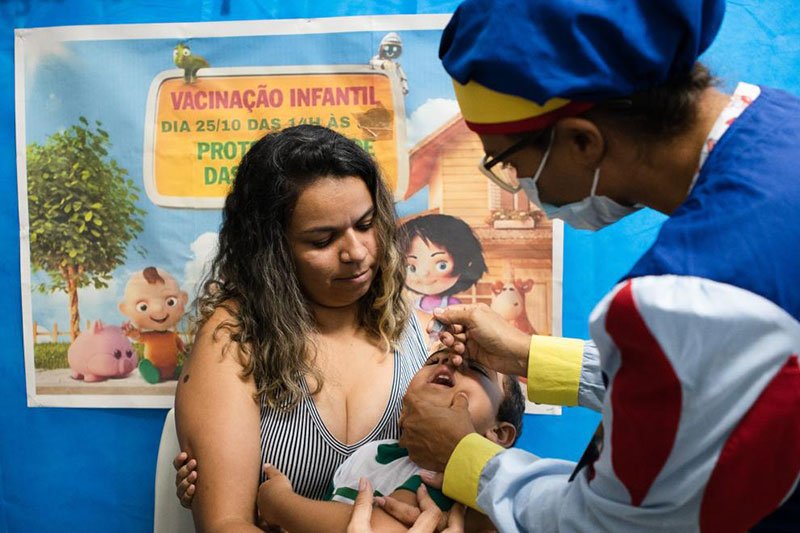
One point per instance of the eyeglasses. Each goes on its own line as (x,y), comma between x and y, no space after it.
(502,173)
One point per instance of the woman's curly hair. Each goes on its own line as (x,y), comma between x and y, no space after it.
(253,275)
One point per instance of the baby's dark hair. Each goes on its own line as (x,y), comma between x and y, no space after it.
(512,407)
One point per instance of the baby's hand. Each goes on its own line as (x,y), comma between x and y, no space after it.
(185,477)
(270,493)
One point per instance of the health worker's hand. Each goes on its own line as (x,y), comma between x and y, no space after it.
(477,332)
(432,449)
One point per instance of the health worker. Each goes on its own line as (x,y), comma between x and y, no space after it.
(595,110)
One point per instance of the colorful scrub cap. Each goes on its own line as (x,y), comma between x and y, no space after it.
(520,65)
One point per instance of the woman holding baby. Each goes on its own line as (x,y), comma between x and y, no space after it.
(305,345)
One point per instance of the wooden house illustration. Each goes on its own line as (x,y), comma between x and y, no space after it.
(517,238)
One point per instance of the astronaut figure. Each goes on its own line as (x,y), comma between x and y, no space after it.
(388,51)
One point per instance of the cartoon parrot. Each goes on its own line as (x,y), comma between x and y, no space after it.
(183,58)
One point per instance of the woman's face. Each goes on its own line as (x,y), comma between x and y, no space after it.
(333,241)
(429,267)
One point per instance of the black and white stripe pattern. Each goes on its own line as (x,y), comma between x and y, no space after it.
(298,443)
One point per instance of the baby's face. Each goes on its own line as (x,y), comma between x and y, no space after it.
(439,382)
(157,306)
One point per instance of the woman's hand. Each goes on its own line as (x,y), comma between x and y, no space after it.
(185,477)
(426,521)
(476,332)
(270,494)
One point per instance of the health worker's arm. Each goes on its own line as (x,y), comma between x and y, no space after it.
(563,371)
(704,393)
(560,371)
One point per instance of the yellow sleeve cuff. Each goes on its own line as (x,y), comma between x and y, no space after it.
(554,370)
(463,470)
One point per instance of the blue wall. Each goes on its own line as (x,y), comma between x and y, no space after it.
(92,470)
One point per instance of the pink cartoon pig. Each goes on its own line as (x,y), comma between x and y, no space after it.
(101,352)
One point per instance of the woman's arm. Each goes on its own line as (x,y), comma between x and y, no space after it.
(218,424)
(280,505)
(298,514)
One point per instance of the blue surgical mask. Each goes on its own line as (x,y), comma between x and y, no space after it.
(593,212)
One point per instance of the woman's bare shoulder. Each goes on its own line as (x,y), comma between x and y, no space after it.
(212,378)
(214,341)
(215,364)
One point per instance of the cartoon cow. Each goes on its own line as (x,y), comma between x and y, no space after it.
(509,302)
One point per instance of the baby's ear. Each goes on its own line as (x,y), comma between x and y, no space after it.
(504,434)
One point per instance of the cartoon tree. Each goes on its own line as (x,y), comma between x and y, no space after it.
(82,211)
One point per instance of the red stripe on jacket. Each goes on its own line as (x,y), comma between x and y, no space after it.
(760,461)
(645,399)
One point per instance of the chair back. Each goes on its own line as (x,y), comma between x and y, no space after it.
(169,516)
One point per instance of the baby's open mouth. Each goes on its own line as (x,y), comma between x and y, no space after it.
(443,378)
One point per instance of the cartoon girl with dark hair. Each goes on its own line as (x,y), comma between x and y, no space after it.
(443,257)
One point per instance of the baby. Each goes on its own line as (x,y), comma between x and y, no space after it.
(495,404)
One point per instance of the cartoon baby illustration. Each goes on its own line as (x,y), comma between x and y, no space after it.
(154,303)
(443,258)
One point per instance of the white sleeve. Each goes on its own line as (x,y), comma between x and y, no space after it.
(345,480)
(591,389)
(701,419)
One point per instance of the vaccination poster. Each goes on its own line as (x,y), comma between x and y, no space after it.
(128,139)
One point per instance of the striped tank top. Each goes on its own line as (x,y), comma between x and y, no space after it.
(298,443)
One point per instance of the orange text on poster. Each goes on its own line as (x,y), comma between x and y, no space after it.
(202,129)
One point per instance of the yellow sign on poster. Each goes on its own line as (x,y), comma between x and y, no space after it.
(196,133)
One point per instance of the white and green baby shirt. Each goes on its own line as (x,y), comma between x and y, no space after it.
(388,468)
